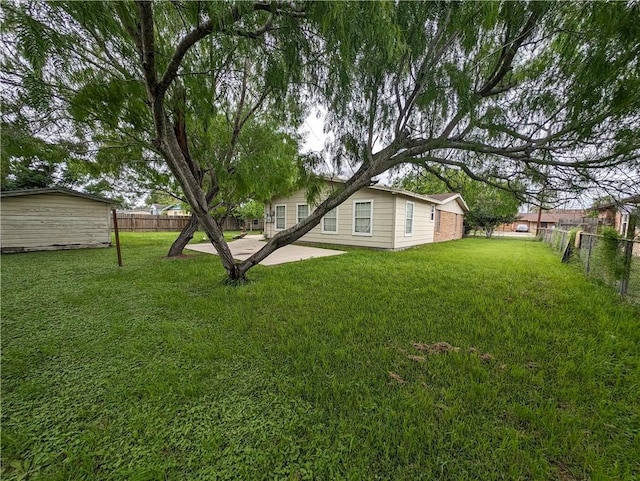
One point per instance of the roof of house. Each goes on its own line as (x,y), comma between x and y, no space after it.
(634,199)
(552,216)
(437,199)
(172,207)
(443,197)
(55,190)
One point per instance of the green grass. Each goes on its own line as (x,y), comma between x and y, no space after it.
(158,371)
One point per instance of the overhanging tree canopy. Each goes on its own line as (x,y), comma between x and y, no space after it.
(545,94)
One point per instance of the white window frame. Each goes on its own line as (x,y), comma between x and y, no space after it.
(353,224)
(406,217)
(298,219)
(275,217)
(333,232)
(438,220)
(433,212)
(624,224)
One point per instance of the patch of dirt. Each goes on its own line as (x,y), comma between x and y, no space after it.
(436,348)
(486,357)
(564,474)
(396,378)
(440,347)
(532,365)
(416,358)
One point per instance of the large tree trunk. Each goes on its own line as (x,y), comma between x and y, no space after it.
(183,239)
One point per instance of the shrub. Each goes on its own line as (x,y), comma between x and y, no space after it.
(608,252)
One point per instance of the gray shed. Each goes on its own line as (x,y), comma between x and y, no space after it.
(51,219)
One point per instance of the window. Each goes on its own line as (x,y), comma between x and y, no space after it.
(281,217)
(408,220)
(433,212)
(362,217)
(330,222)
(624,225)
(302,212)
(437,221)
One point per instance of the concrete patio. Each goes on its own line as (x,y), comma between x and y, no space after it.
(242,249)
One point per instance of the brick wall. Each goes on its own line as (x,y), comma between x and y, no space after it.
(450,226)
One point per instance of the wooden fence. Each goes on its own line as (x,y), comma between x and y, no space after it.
(151,223)
(157,223)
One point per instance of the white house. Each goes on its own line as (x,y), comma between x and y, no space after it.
(55,218)
(376,216)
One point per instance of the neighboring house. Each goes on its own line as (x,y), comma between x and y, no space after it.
(174,209)
(160,209)
(54,218)
(252,224)
(617,214)
(548,219)
(376,216)
(155,209)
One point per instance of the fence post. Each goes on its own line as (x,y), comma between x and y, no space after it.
(624,282)
(115,230)
(588,263)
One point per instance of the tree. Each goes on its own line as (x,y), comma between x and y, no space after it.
(27,162)
(537,93)
(491,209)
(250,210)
(235,134)
(28,174)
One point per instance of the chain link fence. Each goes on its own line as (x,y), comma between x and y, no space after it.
(616,262)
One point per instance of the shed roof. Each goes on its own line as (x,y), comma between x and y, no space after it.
(55,190)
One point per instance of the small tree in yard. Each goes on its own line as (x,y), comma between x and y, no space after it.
(248,211)
(490,210)
(510,93)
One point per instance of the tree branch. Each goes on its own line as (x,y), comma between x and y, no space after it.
(505,61)
(203,30)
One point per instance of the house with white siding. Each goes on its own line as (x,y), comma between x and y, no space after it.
(375,216)
(51,219)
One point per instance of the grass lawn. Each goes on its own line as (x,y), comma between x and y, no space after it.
(158,371)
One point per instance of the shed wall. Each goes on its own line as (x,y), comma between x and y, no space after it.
(53,221)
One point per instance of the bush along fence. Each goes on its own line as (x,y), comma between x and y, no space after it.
(606,257)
